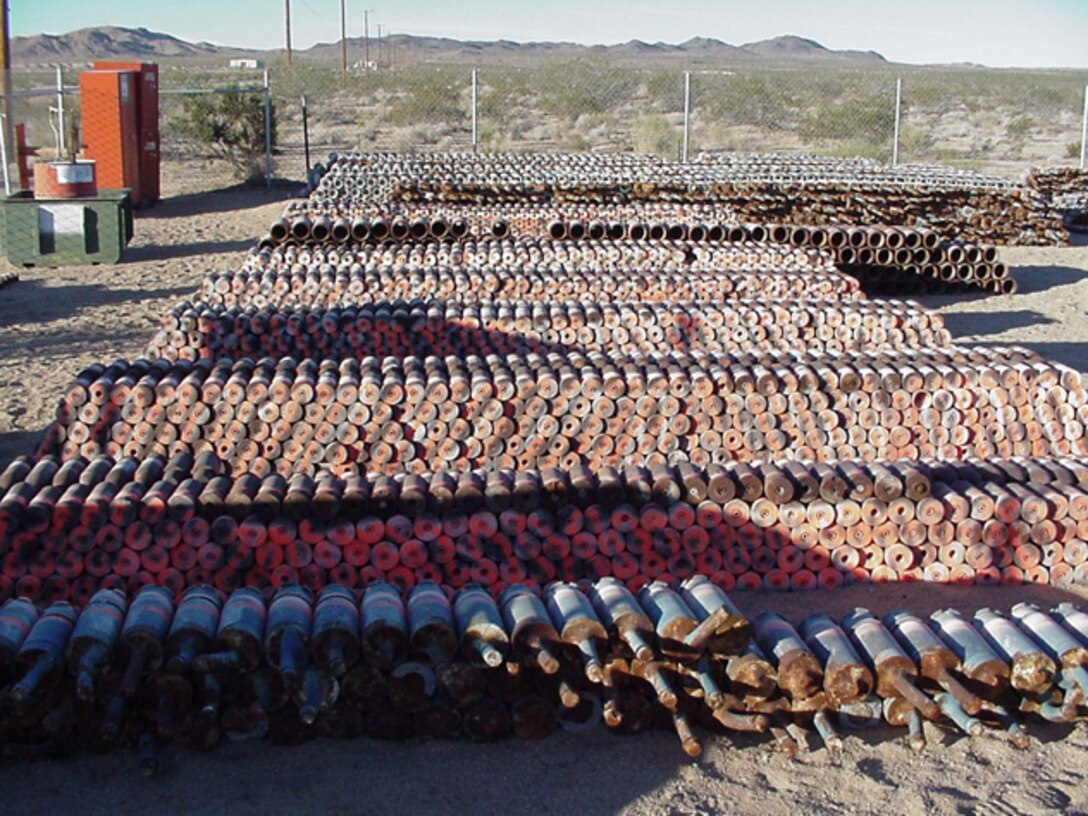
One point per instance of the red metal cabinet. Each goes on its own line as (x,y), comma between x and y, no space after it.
(147,111)
(111,133)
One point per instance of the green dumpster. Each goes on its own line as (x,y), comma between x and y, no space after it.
(66,231)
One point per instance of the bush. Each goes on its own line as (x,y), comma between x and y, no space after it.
(582,86)
(231,126)
(432,98)
(742,99)
(1020,128)
(655,136)
(870,120)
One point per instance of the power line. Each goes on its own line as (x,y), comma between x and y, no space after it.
(317,13)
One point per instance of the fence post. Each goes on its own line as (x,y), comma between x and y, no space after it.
(1084,131)
(898,114)
(475,143)
(343,46)
(267,131)
(60,112)
(4,153)
(687,116)
(306,136)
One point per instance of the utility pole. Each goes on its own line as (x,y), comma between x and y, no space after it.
(379,61)
(366,37)
(343,40)
(287,27)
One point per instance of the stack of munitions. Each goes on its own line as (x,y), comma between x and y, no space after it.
(883,258)
(766,189)
(551,409)
(491,270)
(397,329)
(1066,189)
(434,664)
(961,205)
(69,529)
(318,287)
(484,402)
(549,253)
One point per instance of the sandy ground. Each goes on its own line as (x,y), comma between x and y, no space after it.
(54,322)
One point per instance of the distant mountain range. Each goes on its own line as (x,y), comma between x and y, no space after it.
(107,42)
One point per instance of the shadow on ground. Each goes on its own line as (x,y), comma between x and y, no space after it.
(1074,355)
(17,443)
(1031,279)
(158,252)
(227,199)
(985,323)
(566,773)
(61,302)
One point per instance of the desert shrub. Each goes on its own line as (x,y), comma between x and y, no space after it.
(230,126)
(655,136)
(746,100)
(430,97)
(915,143)
(870,119)
(586,86)
(665,90)
(499,96)
(1020,128)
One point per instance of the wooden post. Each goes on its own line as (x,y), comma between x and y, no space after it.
(287,27)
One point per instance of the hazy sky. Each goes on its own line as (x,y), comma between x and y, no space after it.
(992,32)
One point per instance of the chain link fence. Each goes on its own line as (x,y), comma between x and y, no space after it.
(1000,121)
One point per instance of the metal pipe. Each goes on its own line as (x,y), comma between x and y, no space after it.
(62,137)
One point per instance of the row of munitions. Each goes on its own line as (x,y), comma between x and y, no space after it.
(553,410)
(200,331)
(1065,187)
(917,251)
(596,223)
(1017,217)
(544,253)
(970,208)
(325,287)
(70,528)
(913,280)
(356,170)
(827,169)
(441,667)
(1057,180)
(638,171)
